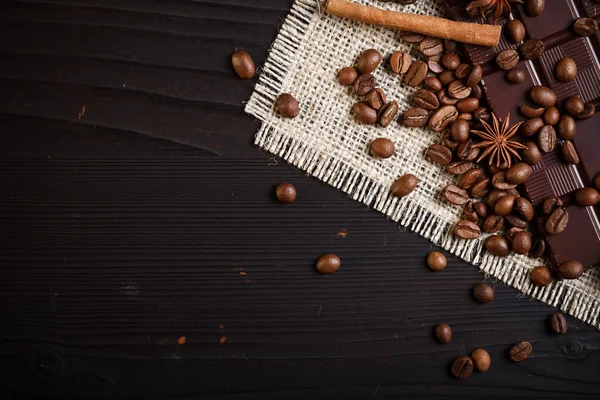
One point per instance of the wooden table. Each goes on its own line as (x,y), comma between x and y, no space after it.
(117,243)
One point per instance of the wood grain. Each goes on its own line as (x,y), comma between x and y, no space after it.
(116,243)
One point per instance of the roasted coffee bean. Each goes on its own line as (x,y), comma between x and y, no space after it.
(387,114)
(328,264)
(557,222)
(463,71)
(445,99)
(520,351)
(551,116)
(518,173)
(243,64)
(287,105)
(481,188)
(446,78)
(516,76)
(459,167)
(534,8)
(542,95)
(368,61)
(465,116)
(404,185)
(532,154)
(286,193)
(570,270)
(442,118)
(455,195)
(575,106)
(483,292)
(566,70)
(412,38)
(431,46)
(558,323)
(439,154)
(347,76)
(458,90)
(376,98)
(493,197)
(467,230)
(434,63)
(588,111)
(493,223)
(515,30)
(475,76)
(470,178)
(547,138)
(521,242)
(460,130)
(524,208)
(425,99)
(400,62)
(382,148)
(530,112)
(477,92)
(566,127)
(507,59)
(467,105)
(450,61)
(416,117)
(432,83)
(462,368)
(365,113)
(436,261)
(416,73)
(510,233)
(550,204)
(569,153)
(585,26)
(499,181)
(515,221)
(497,245)
(538,249)
(450,45)
(464,150)
(532,49)
(541,276)
(531,126)
(469,212)
(481,360)
(443,333)
(481,114)
(587,197)
(364,84)
(505,205)
(480,209)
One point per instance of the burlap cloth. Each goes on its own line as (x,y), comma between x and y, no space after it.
(326,141)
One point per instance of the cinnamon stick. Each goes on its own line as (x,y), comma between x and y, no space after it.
(465,32)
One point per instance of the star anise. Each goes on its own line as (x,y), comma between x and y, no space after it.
(496,141)
(485,7)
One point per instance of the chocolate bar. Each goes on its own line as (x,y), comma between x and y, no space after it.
(552,176)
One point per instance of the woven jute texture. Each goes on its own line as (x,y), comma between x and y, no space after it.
(326,141)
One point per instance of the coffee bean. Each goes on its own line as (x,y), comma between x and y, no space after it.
(575,106)
(521,242)
(534,8)
(547,138)
(467,105)
(587,197)
(481,360)
(434,63)
(376,98)
(541,276)
(480,209)
(243,64)
(460,130)
(551,116)
(566,70)
(483,292)
(466,151)
(455,195)
(531,126)
(463,71)
(558,323)
(388,113)
(518,173)
(493,223)
(416,73)
(445,99)
(481,114)
(446,78)
(550,204)
(507,59)
(400,62)
(516,76)
(328,264)
(443,333)
(404,185)
(538,248)
(475,76)
(570,270)
(542,95)
(416,117)
(520,351)
(498,246)
(532,154)
(470,178)
(439,154)
(505,205)
(566,127)
(493,197)
(286,193)
(442,118)
(477,92)
(524,208)
(382,148)
(557,222)
(431,46)
(515,30)
(436,261)
(459,167)
(530,112)
(347,76)
(425,99)
(585,27)
(532,49)
(432,83)
(515,221)
(365,113)
(481,188)
(287,105)
(465,116)
(467,230)
(462,368)
(450,45)
(364,84)
(469,212)
(450,61)
(499,181)
(368,61)
(458,90)
(569,153)
(412,38)
(588,111)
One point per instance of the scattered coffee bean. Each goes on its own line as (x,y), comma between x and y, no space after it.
(388,113)
(566,70)
(364,84)
(287,105)
(458,90)
(532,154)
(481,114)
(483,292)
(455,195)
(507,59)
(412,38)
(443,333)
(585,26)
(587,197)
(460,130)
(347,76)
(416,73)
(445,99)
(368,61)
(328,264)
(466,151)
(493,197)
(450,61)
(542,95)
(243,64)
(467,230)
(547,138)
(520,351)
(493,223)
(588,111)
(431,46)
(469,212)
(404,185)
(481,188)
(463,71)
(530,112)
(365,113)
(382,148)
(425,99)
(376,98)
(518,173)
(569,153)
(459,167)
(515,30)
(541,276)
(446,78)
(436,261)
(558,323)
(465,116)
(505,205)
(400,62)
(439,154)
(515,221)
(534,8)
(450,45)
(551,116)
(521,242)
(416,117)
(475,76)
(286,193)
(470,177)
(481,360)
(531,126)
(477,92)
(432,83)
(538,248)
(442,118)
(557,222)
(570,270)
(550,204)
(480,209)
(524,208)
(468,105)
(499,181)
(532,49)
(575,106)
(498,246)
(434,63)
(516,76)
(462,368)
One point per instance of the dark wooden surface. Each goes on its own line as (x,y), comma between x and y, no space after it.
(116,242)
